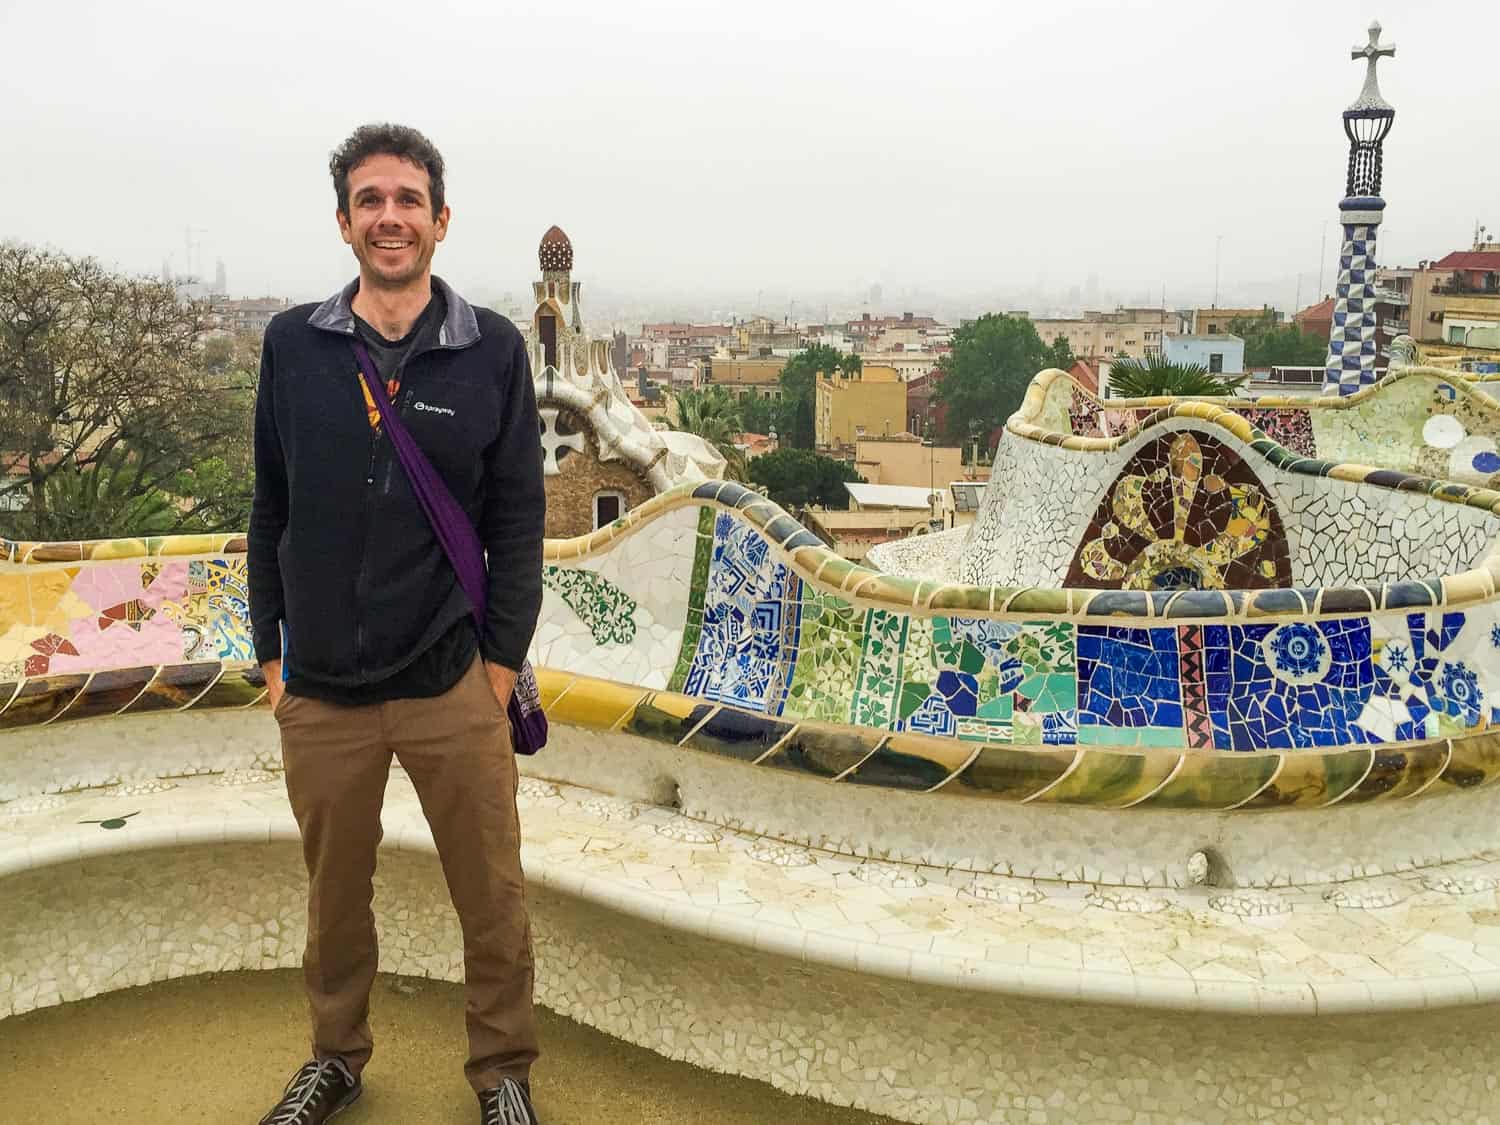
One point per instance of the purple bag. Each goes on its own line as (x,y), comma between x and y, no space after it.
(528,722)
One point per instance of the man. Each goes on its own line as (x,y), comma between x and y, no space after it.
(367,640)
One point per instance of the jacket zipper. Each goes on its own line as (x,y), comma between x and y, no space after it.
(371,495)
(364,554)
(403,400)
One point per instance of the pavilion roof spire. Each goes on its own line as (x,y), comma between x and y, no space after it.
(1372,52)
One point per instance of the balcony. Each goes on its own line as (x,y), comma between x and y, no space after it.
(1460,288)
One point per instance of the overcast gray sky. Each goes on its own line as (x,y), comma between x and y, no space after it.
(799,145)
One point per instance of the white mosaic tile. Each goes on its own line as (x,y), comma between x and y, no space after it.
(888,875)
(610,808)
(1011,892)
(1125,901)
(533,789)
(141,788)
(31,805)
(863,1038)
(779,854)
(1367,897)
(686,831)
(1456,884)
(653,567)
(1249,904)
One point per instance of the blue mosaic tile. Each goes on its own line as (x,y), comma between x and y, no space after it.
(747,646)
(1434,677)
(1288,686)
(1128,677)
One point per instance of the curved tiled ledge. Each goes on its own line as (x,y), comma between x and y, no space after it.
(824,570)
(866,588)
(1008,937)
(1081,776)
(1223,412)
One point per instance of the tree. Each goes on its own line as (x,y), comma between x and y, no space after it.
(1270,344)
(111,421)
(714,415)
(1062,356)
(758,415)
(985,377)
(797,478)
(797,429)
(1154,377)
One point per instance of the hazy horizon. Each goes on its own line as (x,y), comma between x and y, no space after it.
(708,157)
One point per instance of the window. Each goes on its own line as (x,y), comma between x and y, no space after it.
(547,329)
(1455,334)
(608,507)
(1216,362)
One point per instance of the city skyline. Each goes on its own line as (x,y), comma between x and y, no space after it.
(978,159)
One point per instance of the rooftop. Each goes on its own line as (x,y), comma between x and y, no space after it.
(889,495)
(1469,260)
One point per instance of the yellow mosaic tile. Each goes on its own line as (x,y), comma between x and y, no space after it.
(1309,779)
(596,704)
(1111,779)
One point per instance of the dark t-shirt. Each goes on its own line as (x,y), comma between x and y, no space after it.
(445,662)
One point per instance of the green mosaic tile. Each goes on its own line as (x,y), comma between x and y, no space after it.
(878,686)
(607,610)
(829,658)
(693,624)
(1165,737)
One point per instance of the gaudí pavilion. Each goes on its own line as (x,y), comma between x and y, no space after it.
(1165,791)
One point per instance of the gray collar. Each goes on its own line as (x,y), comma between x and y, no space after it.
(460,327)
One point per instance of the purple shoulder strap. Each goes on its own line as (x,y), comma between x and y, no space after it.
(461,544)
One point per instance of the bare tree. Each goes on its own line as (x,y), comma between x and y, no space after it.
(116,417)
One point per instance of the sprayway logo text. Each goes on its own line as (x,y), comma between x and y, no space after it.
(425,408)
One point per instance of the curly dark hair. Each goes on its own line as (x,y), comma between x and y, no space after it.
(385,139)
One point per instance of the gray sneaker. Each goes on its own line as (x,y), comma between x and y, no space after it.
(320,1089)
(507,1104)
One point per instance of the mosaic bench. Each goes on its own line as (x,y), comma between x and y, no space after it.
(794,796)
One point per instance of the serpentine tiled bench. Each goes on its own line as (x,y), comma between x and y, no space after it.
(858,832)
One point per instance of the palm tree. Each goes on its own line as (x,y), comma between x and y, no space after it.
(1156,377)
(96,500)
(714,415)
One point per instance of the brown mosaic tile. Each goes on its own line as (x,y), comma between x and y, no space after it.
(176,686)
(107,693)
(42,699)
(1186,513)
(235,688)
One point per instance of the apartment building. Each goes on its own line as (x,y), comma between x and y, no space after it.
(685,343)
(1456,299)
(741,376)
(251,315)
(1126,332)
(1214,321)
(867,403)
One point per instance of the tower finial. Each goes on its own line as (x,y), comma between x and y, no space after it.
(1372,52)
(556,250)
(1368,121)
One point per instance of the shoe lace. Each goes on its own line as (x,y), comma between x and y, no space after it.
(507,1104)
(315,1077)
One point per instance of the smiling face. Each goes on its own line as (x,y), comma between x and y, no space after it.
(390,224)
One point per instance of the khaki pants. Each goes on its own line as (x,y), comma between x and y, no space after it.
(456,748)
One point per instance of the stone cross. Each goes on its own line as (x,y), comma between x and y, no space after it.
(553,443)
(1372,52)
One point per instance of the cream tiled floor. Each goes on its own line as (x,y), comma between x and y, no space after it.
(1418,939)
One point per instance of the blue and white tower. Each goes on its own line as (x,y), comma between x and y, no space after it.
(1352,344)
